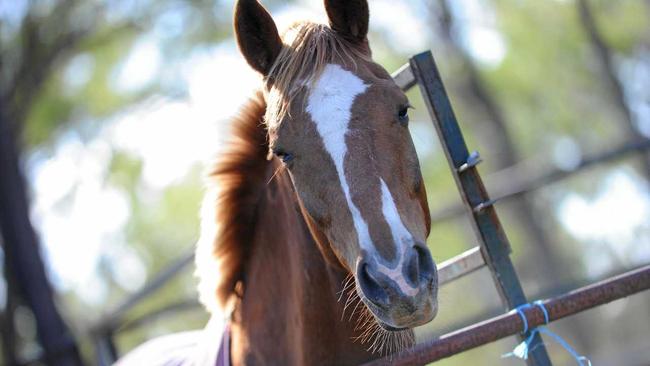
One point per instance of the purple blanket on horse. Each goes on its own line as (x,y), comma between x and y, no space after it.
(207,347)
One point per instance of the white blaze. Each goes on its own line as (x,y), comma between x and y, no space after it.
(330,106)
(401,235)
(401,238)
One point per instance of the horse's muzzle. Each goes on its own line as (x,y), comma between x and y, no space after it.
(404,295)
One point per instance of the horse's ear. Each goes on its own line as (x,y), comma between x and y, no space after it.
(257,36)
(349,18)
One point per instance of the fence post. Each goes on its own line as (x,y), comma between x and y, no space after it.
(485,222)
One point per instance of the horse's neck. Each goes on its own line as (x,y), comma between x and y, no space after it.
(289,313)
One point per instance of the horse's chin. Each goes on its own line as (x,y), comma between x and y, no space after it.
(407,322)
(399,328)
(390,328)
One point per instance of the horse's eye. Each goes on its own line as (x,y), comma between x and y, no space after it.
(403,115)
(283,155)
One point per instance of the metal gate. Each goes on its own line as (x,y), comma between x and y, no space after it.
(493,250)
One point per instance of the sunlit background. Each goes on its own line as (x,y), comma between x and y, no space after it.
(115,135)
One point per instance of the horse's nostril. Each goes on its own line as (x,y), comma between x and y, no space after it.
(412,267)
(370,287)
(427,270)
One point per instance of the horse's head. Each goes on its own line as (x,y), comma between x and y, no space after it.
(340,125)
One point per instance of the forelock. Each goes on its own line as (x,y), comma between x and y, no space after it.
(308,48)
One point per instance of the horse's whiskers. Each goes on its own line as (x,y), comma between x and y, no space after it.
(346,284)
(348,302)
(363,320)
(366,332)
(369,332)
(275,174)
(355,309)
(385,342)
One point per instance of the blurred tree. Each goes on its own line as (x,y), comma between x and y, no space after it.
(38,38)
(493,129)
(26,65)
(23,261)
(42,44)
(604,55)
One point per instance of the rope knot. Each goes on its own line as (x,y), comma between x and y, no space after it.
(523,348)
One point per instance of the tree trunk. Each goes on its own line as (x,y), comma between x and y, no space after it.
(23,257)
(7,329)
(604,55)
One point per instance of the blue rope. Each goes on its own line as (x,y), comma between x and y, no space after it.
(522,349)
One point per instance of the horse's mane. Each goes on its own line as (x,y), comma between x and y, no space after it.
(237,177)
(234,183)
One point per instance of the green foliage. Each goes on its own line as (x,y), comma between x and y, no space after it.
(623,23)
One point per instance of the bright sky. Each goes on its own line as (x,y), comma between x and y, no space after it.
(478,31)
(190,131)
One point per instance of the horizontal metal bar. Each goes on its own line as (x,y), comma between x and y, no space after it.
(496,309)
(404,77)
(460,265)
(511,323)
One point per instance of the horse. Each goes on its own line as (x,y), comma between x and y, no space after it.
(315,218)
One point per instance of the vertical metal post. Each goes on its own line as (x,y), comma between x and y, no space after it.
(487,227)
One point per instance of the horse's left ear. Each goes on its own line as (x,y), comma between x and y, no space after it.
(349,18)
(257,36)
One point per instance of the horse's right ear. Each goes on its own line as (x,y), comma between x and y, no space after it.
(349,18)
(257,36)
